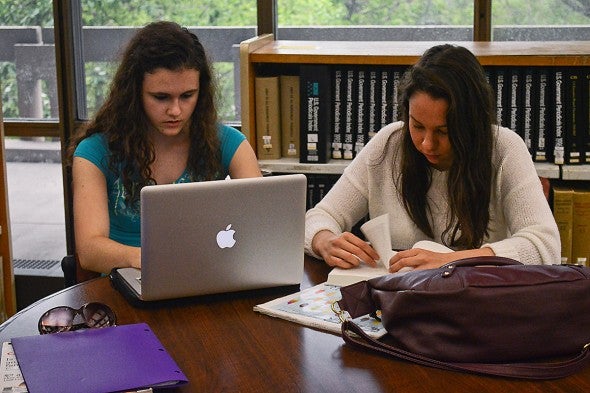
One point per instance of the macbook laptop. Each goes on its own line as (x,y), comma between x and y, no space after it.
(218,236)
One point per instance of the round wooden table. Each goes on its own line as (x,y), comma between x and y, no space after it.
(221,344)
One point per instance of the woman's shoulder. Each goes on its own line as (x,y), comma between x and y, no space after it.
(387,138)
(93,143)
(510,146)
(226,132)
(506,139)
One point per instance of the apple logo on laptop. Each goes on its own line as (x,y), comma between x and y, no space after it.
(225,238)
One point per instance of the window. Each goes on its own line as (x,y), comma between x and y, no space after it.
(27,60)
(426,20)
(541,20)
(383,20)
(28,81)
(220,25)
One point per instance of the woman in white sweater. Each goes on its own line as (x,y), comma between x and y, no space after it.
(444,173)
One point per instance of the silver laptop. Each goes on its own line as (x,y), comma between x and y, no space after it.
(219,236)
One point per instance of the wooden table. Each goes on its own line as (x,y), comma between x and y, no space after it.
(222,345)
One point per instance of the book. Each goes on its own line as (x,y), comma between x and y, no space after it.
(543,143)
(350,89)
(289,87)
(585,116)
(268,118)
(563,212)
(361,130)
(110,359)
(530,109)
(502,96)
(558,145)
(315,113)
(312,307)
(573,118)
(374,106)
(395,113)
(516,111)
(386,88)
(581,228)
(377,233)
(338,104)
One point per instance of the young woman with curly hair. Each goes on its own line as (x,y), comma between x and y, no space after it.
(158,125)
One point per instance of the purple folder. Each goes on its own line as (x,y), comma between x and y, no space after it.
(96,360)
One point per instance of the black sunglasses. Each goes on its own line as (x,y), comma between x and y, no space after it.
(61,319)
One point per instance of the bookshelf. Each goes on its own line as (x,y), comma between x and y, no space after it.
(265,52)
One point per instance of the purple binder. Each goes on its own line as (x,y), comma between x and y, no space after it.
(102,360)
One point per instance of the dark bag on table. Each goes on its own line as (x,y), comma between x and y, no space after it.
(486,315)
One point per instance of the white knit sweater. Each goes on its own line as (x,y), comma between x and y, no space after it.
(521,224)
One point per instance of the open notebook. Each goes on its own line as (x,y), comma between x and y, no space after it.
(218,236)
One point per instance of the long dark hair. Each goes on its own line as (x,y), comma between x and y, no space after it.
(452,73)
(122,117)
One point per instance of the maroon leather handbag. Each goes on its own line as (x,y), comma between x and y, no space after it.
(487,315)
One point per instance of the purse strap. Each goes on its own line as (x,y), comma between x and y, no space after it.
(354,335)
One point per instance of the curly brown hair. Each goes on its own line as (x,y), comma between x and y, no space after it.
(122,118)
(452,73)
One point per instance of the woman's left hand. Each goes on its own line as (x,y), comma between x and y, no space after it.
(417,258)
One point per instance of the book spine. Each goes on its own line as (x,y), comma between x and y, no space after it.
(362,106)
(544,125)
(558,148)
(393,95)
(350,120)
(374,102)
(339,112)
(586,115)
(268,117)
(501,96)
(290,101)
(581,228)
(516,107)
(316,114)
(572,111)
(386,94)
(563,212)
(529,109)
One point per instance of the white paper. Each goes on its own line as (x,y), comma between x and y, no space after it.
(377,232)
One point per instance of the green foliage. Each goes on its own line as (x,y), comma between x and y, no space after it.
(548,12)
(243,13)
(9,93)
(26,13)
(185,12)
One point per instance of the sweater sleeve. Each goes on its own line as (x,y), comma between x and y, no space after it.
(347,202)
(533,236)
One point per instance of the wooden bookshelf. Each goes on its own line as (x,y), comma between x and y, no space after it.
(264,51)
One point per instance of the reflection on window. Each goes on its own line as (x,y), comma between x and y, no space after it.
(430,20)
(220,25)
(541,20)
(374,13)
(27,60)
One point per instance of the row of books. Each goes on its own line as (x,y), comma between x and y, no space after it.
(331,111)
(571,209)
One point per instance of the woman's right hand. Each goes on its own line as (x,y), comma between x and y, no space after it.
(345,251)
